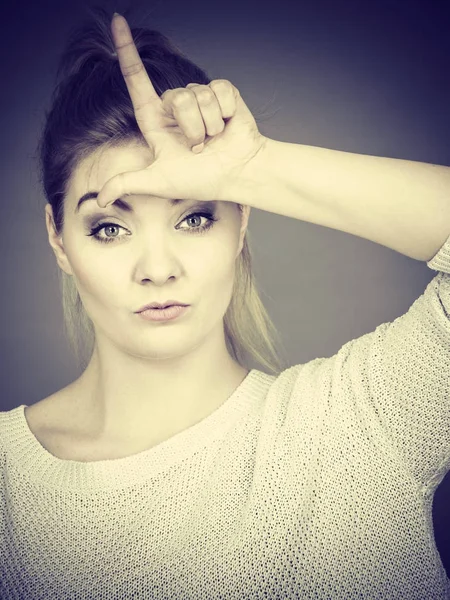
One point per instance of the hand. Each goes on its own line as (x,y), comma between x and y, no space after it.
(212,115)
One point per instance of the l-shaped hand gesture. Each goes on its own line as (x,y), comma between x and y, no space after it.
(214,116)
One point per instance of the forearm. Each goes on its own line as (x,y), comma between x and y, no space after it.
(401,204)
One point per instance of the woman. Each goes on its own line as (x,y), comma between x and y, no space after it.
(170,469)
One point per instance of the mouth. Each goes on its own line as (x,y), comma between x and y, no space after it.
(168,313)
(158,306)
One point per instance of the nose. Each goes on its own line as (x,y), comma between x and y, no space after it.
(158,261)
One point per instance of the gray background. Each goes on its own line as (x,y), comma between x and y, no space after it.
(363,77)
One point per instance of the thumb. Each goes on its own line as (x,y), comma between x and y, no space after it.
(142,181)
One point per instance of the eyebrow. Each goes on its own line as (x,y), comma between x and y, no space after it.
(119,203)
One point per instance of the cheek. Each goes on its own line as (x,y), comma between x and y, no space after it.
(98,289)
(97,278)
(216,285)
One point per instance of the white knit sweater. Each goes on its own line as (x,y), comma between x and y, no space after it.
(317,484)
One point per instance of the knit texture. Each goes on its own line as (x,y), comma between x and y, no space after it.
(316,484)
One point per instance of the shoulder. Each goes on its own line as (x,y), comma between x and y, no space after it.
(51,414)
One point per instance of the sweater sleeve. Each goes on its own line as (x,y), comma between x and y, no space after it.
(400,377)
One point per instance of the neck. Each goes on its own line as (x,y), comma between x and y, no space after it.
(124,399)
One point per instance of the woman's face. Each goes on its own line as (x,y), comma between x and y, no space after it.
(152,253)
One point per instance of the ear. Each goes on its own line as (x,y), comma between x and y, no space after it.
(245,215)
(56,242)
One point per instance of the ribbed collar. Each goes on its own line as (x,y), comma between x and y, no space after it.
(37,464)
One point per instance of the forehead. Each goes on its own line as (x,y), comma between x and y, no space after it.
(105,162)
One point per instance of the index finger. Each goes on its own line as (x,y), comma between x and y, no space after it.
(139,86)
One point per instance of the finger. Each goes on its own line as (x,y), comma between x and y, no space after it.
(124,184)
(209,109)
(183,105)
(140,88)
(154,181)
(226,97)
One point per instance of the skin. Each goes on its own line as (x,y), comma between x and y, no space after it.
(147,381)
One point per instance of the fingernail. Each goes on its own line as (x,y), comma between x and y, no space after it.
(198,147)
(116,15)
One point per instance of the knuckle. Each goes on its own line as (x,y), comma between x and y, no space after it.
(133,69)
(167,93)
(221,84)
(205,96)
(182,98)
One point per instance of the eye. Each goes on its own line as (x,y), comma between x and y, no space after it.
(101,226)
(211,219)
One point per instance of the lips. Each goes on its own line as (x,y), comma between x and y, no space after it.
(159,306)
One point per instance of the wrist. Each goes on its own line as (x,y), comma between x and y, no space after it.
(246,184)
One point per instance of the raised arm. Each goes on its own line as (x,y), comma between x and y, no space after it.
(401,204)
